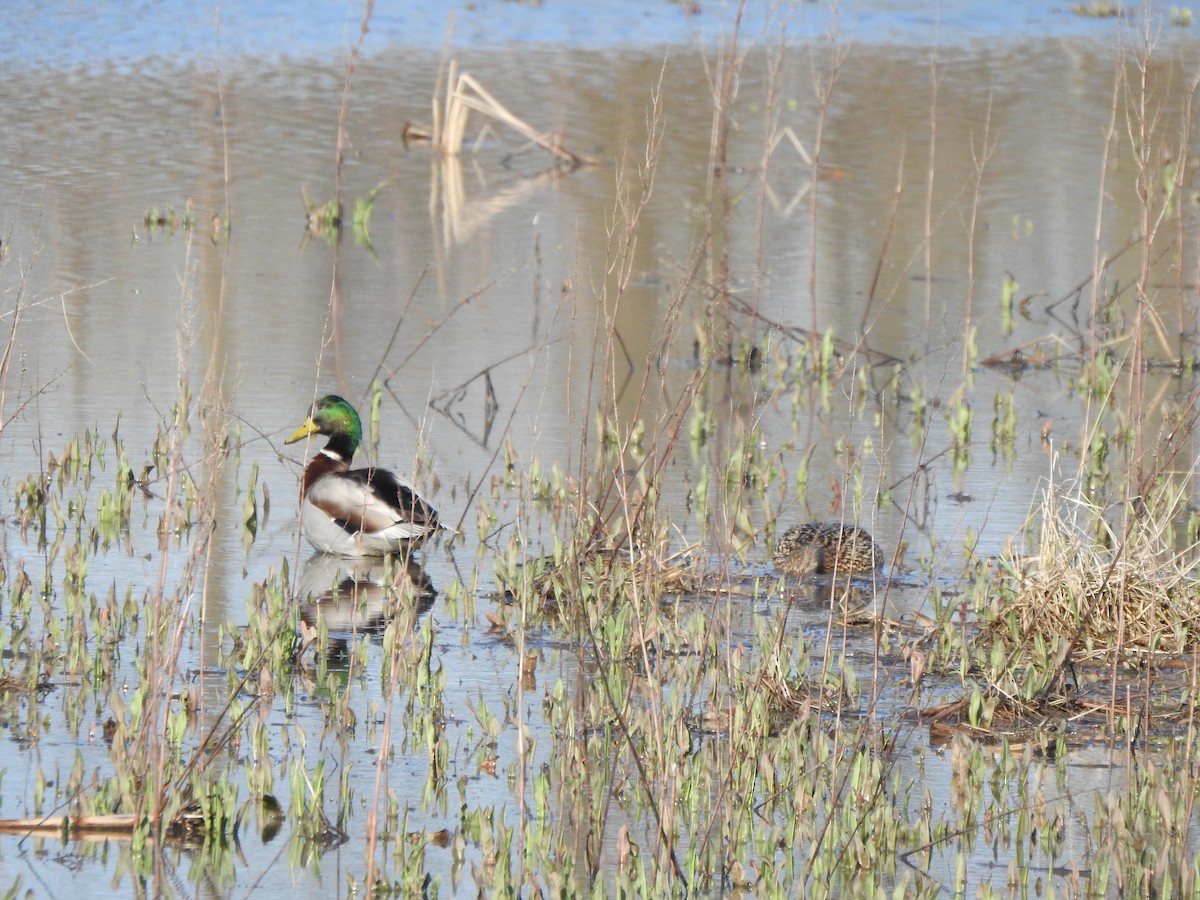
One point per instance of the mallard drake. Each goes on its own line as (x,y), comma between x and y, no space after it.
(819,548)
(355,512)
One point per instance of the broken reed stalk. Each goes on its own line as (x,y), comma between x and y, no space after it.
(450,131)
(464,94)
(73,827)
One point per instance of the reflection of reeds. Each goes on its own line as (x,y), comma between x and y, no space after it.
(448,135)
(460,218)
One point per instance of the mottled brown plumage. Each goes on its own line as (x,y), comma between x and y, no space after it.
(819,548)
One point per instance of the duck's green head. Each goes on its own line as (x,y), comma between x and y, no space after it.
(336,419)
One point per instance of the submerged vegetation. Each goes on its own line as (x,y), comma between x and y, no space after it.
(662,710)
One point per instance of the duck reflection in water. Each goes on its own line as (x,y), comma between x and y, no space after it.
(353,597)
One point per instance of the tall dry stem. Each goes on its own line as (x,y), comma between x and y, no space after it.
(980,154)
(823,87)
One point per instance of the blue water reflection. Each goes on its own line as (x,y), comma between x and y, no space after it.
(63,34)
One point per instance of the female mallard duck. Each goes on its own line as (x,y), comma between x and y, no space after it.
(355,512)
(819,548)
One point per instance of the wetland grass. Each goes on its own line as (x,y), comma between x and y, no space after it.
(684,759)
(703,754)
(664,726)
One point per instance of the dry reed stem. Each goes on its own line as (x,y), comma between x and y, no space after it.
(1132,593)
(466,93)
(73,827)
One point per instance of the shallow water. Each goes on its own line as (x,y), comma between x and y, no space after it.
(495,264)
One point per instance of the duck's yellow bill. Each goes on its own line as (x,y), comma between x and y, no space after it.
(309,427)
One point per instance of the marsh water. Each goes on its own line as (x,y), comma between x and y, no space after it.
(955,151)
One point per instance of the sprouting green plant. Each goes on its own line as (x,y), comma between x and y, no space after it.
(1004,424)
(1096,470)
(250,503)
(1170,173)
(606,428)
(221,227)
(361,218)
(700,425)
(1098,9)
(827,357)
(168,220)
(1008,290)
(802,473)
(699,494)
(375,407)
(960,419)
(918,403)
(322,219)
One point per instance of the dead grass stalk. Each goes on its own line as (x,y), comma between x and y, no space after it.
(1129,591)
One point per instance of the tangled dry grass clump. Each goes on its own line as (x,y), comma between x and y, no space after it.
(1120,590)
